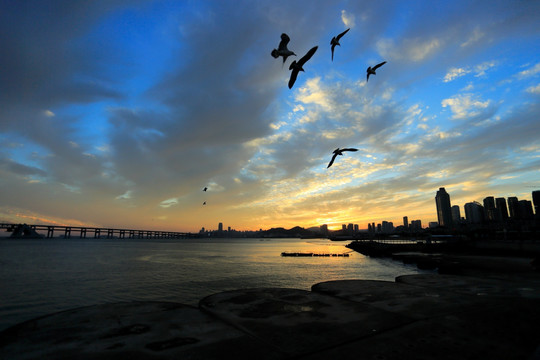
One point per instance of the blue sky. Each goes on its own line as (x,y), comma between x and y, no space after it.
(118,113)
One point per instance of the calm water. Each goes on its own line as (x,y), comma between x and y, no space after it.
(38,277)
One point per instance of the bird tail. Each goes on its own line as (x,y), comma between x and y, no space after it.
(275,53)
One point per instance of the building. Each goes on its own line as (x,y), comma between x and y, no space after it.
(444,212)
(405,222)
(220,227)
(513,207)
(416,225)
(500,205)
(324,229)
(489,209)
(456,214)
(474,212)
(525,209)
(536,201)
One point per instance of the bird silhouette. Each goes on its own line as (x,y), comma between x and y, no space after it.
(335,41)
(205,188)
(204,203)
(282,49)
(337,152)
(371,70)
(296,67)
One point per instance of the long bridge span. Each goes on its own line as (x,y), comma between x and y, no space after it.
(49,231)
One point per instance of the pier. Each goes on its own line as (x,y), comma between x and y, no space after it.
(49,231)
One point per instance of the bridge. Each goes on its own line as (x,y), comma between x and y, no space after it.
(49,231)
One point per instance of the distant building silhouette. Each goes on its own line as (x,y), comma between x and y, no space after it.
(474,212)
(489,208)
(536,201)
(456,214)
(525,209)
(405,222)
(513,207)
(416,225)
(500,205)
(444,212)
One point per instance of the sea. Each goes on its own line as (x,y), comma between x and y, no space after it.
(44,276)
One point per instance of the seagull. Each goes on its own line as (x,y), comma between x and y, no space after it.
(335,41)
(337,152)
(282,48)
(297,66)
(205,188)
(371,70)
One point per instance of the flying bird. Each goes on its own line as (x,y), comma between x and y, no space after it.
(335,41)
(337,152)
(282,49)
(297,66)
(205,188)
(204,203)
(371,70)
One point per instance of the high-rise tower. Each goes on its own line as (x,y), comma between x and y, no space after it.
(536,202)
(444,212)
(500,204)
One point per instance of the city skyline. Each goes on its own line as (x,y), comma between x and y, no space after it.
(121,113)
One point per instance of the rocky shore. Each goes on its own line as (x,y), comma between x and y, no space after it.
(487,311)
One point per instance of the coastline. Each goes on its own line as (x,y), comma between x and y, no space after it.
(488,310)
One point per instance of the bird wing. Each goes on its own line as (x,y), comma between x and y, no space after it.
(349,149)
(294,74)
(332,161)
(333,46)
(308,56)
(284,41)
(367,78)
(379,65)
(343,33)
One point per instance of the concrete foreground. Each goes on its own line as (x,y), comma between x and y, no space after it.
(495,315)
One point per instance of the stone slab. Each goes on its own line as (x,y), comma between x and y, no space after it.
(413,301)
(475,286)
(138,330)
(297,321)
(502,331)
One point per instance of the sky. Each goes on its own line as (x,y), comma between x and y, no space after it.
(118,113)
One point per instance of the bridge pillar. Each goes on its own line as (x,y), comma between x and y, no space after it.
(97,233)
(67,233)
(50,231)
(110,233)
(83,233)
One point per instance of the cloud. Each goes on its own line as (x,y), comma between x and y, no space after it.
(530,72)
(465,106)
(475,37)
(455,73)
(348,19)
(534,89)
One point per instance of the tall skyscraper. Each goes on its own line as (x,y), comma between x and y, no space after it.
(536,201)
(474,212)
(456,214)
(489,208)
(220,227)
(405,222)
(525,209)
(444,212)
(500,204)
(513,207)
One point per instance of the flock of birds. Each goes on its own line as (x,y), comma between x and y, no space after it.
(297,66)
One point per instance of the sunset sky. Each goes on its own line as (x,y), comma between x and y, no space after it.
(118,113)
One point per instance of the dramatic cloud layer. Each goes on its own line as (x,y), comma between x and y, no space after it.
(119,113)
